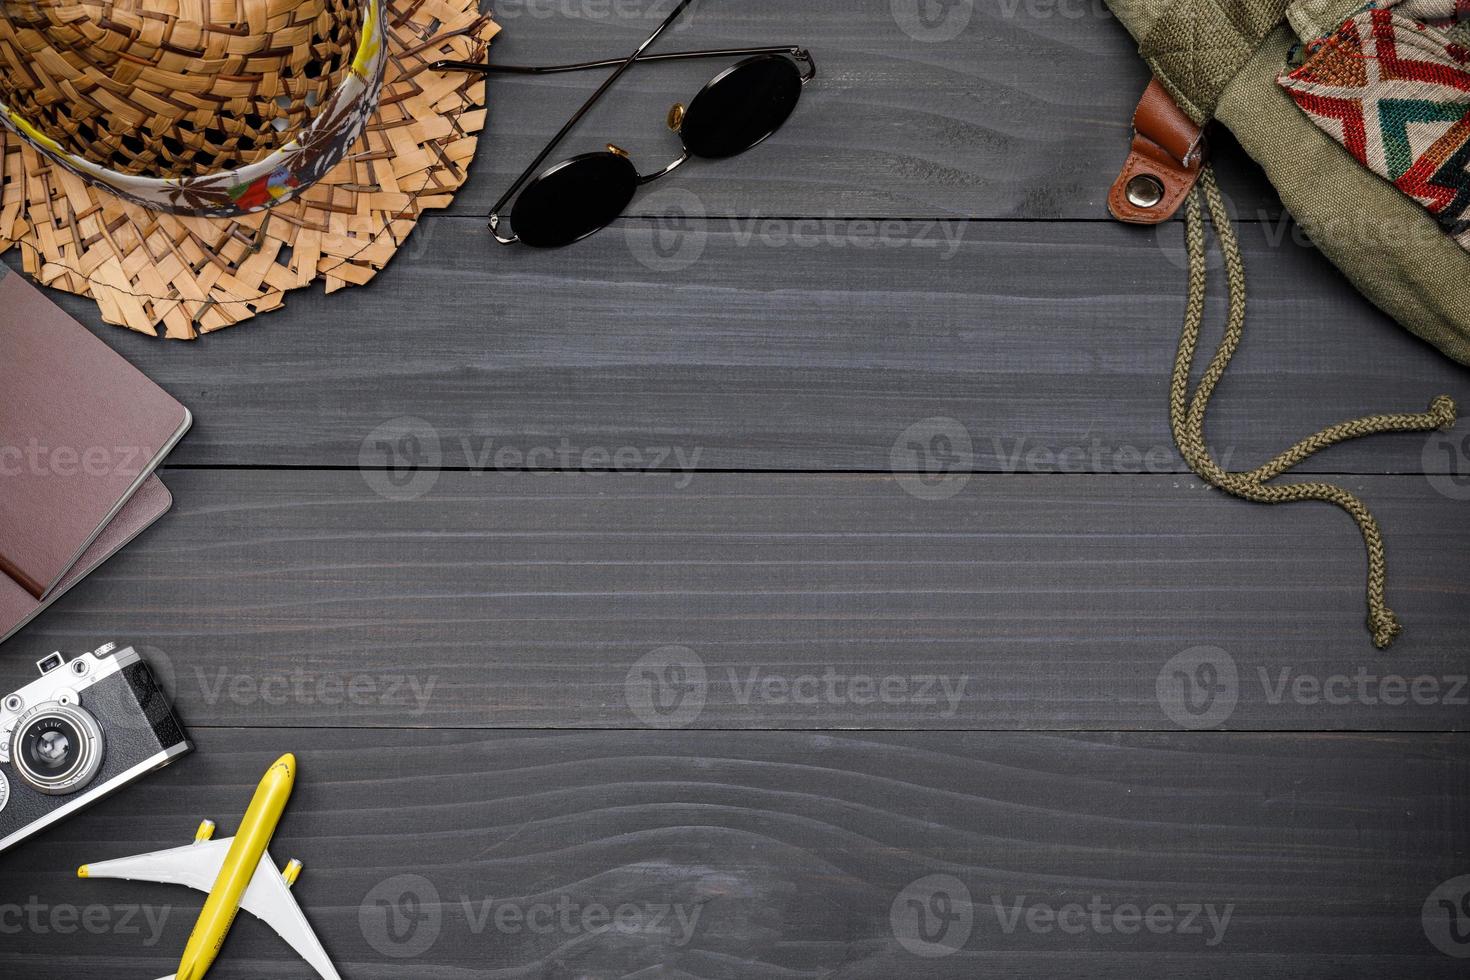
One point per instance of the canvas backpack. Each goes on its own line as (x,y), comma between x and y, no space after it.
(1351,110)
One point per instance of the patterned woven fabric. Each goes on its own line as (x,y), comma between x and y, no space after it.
(1393,87)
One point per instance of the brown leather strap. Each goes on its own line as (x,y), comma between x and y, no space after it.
(1164,163)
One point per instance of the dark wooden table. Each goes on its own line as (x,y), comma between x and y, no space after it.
(642,651)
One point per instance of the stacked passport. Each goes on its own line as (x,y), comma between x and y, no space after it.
(81,432)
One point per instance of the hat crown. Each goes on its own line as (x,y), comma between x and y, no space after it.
(173,88)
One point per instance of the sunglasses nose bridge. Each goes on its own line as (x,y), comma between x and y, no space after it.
(650,178)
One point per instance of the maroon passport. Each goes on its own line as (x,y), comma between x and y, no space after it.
(152,501)
(81,430)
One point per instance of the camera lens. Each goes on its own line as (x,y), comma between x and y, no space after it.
(57,749)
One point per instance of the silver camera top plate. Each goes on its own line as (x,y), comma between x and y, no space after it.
(58,685)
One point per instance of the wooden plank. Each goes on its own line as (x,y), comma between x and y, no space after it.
(1050,345)
(523,600)
(1012,109)
(785,854)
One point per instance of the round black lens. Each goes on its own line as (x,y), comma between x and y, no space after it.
(56,750)
(574,199)
(50,749)
(741,107)
(59,750)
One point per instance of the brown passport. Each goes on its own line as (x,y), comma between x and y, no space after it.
(81,431)
(152,501)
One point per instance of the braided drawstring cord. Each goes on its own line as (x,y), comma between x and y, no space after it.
(1187,412)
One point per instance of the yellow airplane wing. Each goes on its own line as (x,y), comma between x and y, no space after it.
(197,865)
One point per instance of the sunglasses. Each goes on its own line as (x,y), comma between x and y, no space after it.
(738,109)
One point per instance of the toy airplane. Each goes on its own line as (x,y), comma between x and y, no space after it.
(236,873)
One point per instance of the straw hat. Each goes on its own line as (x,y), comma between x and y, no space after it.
(187,162)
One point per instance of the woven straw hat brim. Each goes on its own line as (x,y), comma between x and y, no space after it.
(159,273)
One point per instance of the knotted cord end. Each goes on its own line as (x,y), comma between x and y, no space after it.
(1384,626)
(1444,411)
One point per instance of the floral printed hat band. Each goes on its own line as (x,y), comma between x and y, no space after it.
(188,162)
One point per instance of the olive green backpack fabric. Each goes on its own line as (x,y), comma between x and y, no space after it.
(1220,59)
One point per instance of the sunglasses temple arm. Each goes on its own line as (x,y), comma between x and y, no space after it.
(587,107)
(489,69)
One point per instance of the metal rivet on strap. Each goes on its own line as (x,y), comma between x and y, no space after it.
(1145,191)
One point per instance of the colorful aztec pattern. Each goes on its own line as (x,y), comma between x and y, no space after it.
(1393,88)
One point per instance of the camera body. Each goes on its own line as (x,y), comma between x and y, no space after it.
(88,727)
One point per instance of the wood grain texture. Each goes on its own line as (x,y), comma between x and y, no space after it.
(786,853)
(749,349)
(995,109)
(523,600)
(358,570)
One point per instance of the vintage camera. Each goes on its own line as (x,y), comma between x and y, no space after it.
(88,727)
